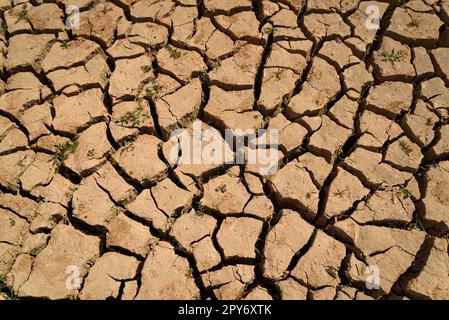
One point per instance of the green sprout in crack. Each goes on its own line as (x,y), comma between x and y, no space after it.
(393,56)
(309,195)
(277,75)
(332,271)
(22,14)
(133,118)
(199,208)
(7,289)
(91,154)
(269,30)
(21,163)
(189,273)
(170,222)
(174,53)
(216,63)
(413,24)
(146,68)
(35,251)
(106,9)
(322,111)
(63,150)
(405,192)
(405,147)
(152,91)
(128,144)
(64,44)
(221,188)
(2,27)
(153,243)
(336,155)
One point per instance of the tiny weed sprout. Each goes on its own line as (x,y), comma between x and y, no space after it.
(22,15)
(152,91)
(405,147)
(413,24)
(128,144)
(63,150)
(64,44)
(174,53)
(147,68)
(221,189)
(6,289)
(392,56)
(2,27)
(405,192)
(133,118)
(332,271)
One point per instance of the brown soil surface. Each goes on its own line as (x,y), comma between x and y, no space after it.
(87,182)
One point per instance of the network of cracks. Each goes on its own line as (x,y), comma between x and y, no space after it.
(93,207)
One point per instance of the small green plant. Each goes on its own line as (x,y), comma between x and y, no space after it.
(152,91)
(269,30)
(217,63)
(133,118)
(146,68)
(91,154)
(35,251)
(392,56)
(3,283)
(429,122)
(189,273)
(412,24)
(170,222)
(332,271)
(339,193)
(22,14)
(63,150)
(12,223)
(128,144)
(21,163)
(2,27)
(153,244)
(336,155)
(174,53)
(6,288)
(106,9)
(322,111)
(221,188)
(64,44)
(405,192)
(199,208)
(278,74)
(405,147)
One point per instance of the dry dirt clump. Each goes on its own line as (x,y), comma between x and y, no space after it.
(101,199)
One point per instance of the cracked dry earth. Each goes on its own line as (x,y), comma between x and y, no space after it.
(86,115)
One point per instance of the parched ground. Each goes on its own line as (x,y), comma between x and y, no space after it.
(88,191)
